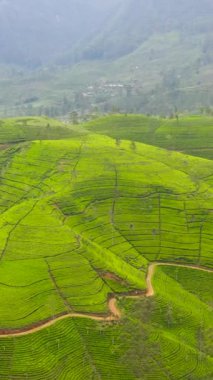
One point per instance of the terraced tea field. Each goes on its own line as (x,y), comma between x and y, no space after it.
(84,217)
(192,135)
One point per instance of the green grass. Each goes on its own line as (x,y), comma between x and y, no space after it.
(73,209)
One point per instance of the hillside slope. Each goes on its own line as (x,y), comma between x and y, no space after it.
(138,21)
(82,219)
(33,34)
(191,134)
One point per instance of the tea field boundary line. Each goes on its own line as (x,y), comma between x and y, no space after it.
(58,290)
(13,229)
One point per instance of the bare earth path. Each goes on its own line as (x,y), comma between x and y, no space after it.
(115,312)
(151,270)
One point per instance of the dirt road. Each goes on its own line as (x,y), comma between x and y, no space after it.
(115,313)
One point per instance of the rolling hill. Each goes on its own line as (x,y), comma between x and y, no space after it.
(105,248)
(191,135)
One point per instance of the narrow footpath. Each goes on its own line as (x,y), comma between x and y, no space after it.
(114,312)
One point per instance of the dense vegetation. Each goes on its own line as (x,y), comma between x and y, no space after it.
(84,211)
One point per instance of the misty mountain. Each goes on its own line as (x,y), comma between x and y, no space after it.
(159,54)
(36,32)
(138,20)
(45,31)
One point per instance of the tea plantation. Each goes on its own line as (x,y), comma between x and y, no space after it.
(85,210)
(192,134)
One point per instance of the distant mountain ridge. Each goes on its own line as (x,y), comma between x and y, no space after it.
(36,32)
(137,20)
(159,51)
(40,32)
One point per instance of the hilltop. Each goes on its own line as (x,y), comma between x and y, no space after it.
(189,134)
(25,129)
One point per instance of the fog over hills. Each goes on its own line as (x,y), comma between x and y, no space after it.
(137,20)
(40,31)
(35,32)
(160,51)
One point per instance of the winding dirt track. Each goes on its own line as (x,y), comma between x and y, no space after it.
(115,312)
